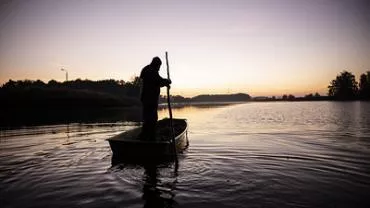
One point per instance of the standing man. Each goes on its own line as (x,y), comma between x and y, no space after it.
(152,83)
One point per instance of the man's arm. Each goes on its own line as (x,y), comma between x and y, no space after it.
(164,82)
(161,81)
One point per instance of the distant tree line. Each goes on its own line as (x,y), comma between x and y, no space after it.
(345,87)
(289,97)
(76,93)
(87,93)
(111,93)
(110,86)
(238,97)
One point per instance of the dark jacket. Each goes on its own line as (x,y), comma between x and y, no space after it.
(152,83)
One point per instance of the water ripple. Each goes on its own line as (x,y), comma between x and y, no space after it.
(251,155)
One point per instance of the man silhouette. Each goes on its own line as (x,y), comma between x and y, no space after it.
(152,83)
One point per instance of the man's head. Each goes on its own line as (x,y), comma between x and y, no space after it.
(156,63)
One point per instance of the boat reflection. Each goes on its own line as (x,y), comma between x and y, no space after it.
(156,193)
(158,189)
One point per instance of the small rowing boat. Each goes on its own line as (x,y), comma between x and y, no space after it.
(128,145)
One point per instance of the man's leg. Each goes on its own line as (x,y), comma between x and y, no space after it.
(146,120)
(152,121)
(150,118)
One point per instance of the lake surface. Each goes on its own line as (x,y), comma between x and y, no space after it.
(273,154)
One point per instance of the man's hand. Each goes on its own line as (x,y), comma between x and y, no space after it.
(168,82)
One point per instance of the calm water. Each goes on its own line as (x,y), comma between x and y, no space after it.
(294,154)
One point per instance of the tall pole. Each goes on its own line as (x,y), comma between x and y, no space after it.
(170,112)
(66,73)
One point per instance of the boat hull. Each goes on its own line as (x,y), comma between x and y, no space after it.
(127,145)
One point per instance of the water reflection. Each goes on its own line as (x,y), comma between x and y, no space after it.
(15,118)
(194,113)
(349,118)
(154,193)
(159,179)
(364,109)
(277,154)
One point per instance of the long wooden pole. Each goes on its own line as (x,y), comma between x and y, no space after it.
(170,111)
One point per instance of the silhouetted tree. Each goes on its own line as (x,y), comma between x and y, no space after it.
(364,86)
(133,87)
(38,83)
(291,97)
(121,82)
(53,83)
(344,87)
(285,97)
(9,85)
(309,95)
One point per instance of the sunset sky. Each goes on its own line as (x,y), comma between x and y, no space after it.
(260,47)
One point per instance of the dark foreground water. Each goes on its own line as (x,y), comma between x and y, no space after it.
(294,154)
